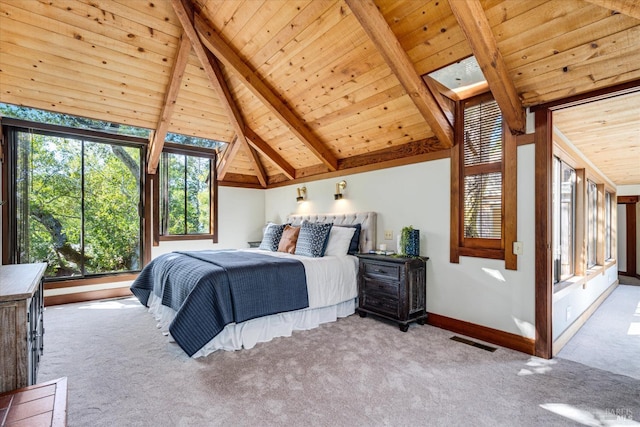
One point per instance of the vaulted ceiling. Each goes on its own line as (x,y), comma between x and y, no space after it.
(302,88)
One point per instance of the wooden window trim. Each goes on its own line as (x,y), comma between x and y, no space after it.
(187,151)
(484,248)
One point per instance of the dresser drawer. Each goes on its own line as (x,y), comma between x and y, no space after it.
(387,271)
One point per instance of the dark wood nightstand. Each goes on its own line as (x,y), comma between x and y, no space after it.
(393,287)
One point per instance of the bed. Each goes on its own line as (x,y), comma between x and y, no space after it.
(233,299)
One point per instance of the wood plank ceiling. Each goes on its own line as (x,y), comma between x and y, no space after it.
(301,88)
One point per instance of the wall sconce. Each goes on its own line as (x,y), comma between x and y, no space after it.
(340,186)
(302,194)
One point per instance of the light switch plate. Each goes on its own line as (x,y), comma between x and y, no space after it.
(517,248)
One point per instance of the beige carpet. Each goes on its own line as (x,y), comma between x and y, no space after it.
(610,339)
(355,372)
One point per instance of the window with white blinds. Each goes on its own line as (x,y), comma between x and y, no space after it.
(482,171)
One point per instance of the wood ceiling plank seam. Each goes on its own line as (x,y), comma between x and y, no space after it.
(310,14)
(559,24)
(226,55)
(76,34)
(386,43)
(627,7)
(380,75)
(438,36)
(429,17)
(305,42)
(398,10)
(273,21)
(250,17)
(475,25)
(324,69)
(578,55)
(141,11)
(589,67)
(377,79)
(87,98)
(351,107)
(583,34)
(380,134)
(199,111)
(397,111)
(580,84)
(443,58)
(76,54)
(229,25)
(84,111)
(25,87)
(31,77)
(93,12)
(156,142)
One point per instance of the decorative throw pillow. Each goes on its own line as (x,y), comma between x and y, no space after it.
(354,246)
(339,241)
(312,240)
(271,237)
(289,239)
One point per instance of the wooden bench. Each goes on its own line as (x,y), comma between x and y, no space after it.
(38,405)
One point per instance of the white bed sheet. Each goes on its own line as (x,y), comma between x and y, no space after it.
(332,290)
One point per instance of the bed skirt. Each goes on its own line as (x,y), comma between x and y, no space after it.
(236,336)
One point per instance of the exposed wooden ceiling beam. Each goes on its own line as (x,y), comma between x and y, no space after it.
(475,25)
(234,115)
(259,88)
(626,7)
(397,59)
(267,151)
(184,11)
(434,87)
(156,140)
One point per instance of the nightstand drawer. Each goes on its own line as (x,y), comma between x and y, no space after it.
(381,303)
(387,271)
(390,289)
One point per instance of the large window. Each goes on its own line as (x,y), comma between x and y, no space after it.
(564,214)
(74,202)
(592,223)
(187,190)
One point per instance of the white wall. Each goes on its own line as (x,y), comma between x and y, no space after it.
(476,290)
(578,298)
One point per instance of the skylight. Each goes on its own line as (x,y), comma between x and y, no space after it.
(460,75)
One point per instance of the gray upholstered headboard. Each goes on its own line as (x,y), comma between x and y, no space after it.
(366,219)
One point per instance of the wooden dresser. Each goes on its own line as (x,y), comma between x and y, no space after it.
(393,288)
(21,307)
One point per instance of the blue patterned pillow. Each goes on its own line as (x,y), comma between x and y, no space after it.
(271,237)
(312,240)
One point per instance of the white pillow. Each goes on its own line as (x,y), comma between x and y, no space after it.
(339,241)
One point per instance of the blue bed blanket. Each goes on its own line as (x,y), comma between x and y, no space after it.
(210,289)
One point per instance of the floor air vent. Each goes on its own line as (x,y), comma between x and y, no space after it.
(473,343)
